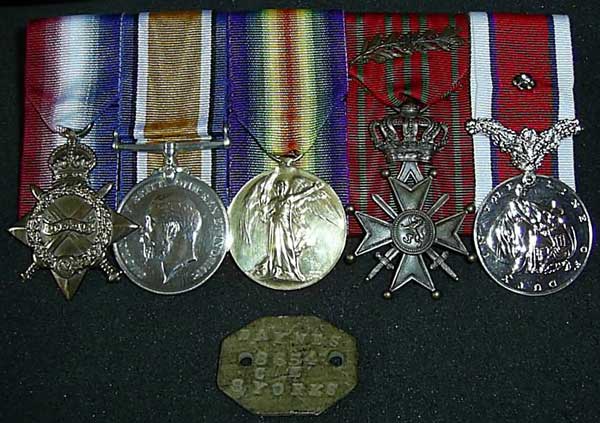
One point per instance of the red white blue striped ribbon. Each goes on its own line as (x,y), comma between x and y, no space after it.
(71,80)
(503,46)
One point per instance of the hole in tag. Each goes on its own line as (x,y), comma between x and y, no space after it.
(336,359)
(245,359)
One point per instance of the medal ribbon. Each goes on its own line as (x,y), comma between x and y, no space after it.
(438,79)
(287,76)
(71,80)
(504,46)
(172,89)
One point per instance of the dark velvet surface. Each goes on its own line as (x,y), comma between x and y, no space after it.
(119,354)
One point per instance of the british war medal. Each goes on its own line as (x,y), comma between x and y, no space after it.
(183,235)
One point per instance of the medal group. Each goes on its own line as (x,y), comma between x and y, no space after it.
(175,138)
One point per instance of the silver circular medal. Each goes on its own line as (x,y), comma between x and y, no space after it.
(288,228)
(533,241)
(183,235)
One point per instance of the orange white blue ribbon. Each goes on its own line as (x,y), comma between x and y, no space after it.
(171,90)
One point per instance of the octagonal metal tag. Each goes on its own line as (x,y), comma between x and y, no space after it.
(288,365)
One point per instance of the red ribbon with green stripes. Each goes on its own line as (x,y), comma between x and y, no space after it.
(438,79)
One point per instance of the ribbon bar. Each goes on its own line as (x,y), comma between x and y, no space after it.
(280,77)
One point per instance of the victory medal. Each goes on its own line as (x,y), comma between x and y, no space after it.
(70,227)
(288,226)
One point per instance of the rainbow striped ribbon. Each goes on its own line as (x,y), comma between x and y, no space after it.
(71,78)
(172,87)
(288,81)
(505,45)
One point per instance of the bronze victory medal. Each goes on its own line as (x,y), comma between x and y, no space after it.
(288,228)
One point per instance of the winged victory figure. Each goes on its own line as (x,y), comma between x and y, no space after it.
(286,203)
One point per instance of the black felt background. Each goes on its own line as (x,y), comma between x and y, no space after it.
(120,354)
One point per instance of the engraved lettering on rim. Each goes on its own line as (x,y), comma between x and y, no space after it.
(533,234)
(533,241)
(183,223)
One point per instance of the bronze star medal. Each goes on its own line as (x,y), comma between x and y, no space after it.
(412,232)
(70,227)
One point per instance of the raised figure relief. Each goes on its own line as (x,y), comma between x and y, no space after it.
(535,239)
(414,229)
(170,233)
(285,202)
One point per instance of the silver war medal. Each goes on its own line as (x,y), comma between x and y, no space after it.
(70,227)
(412,233)
(532,233)
(183,235)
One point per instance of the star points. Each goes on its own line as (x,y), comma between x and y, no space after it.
(412,233)
(70,227)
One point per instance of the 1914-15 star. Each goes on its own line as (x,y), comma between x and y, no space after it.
(69,231)
(411,233)
(70,228)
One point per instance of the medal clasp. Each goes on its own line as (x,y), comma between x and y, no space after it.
(170,148)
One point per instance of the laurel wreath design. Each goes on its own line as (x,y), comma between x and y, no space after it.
(70,265)
(381,48)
